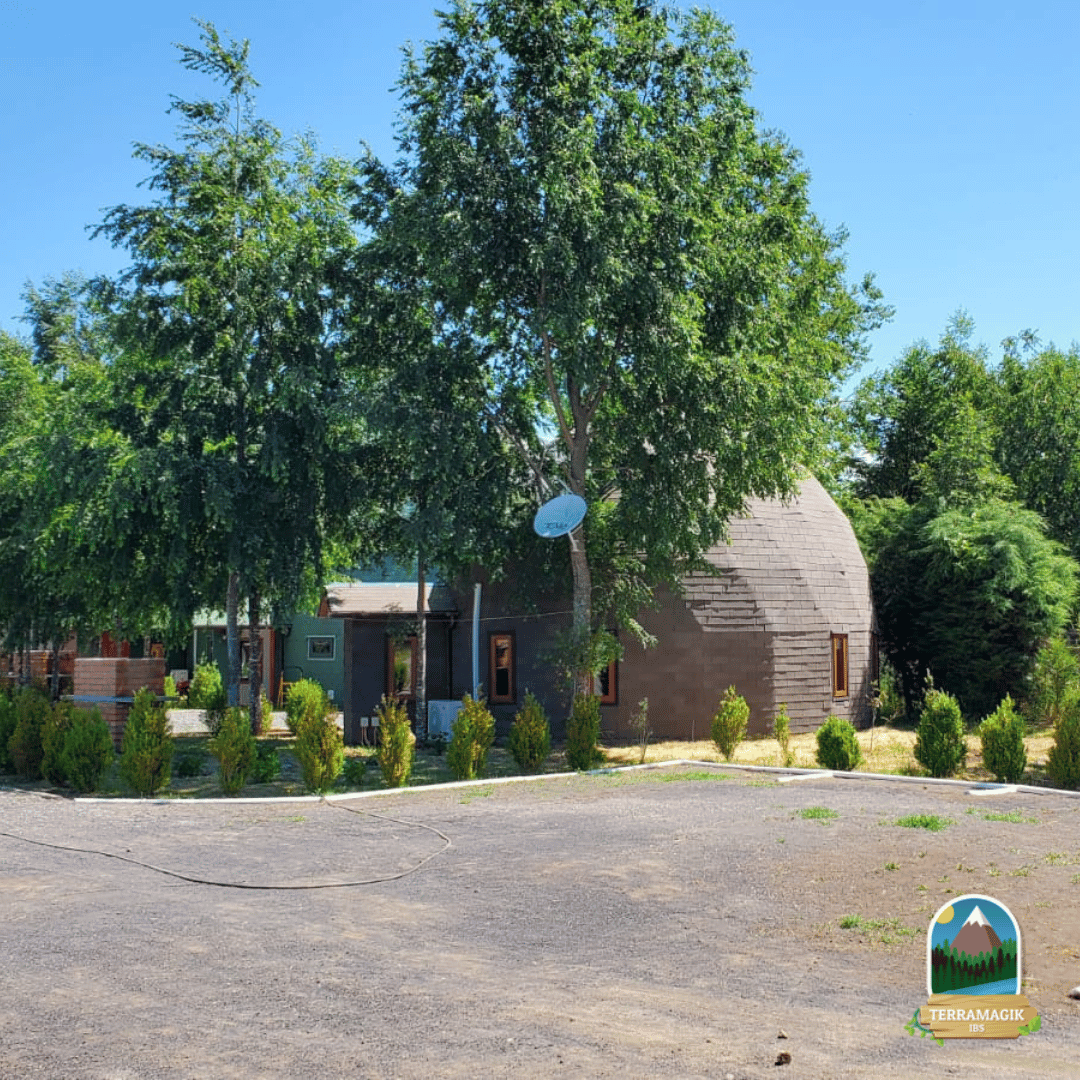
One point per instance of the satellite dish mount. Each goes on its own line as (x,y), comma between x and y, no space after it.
(560,516)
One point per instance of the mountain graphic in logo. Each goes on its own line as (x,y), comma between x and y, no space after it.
(976,935)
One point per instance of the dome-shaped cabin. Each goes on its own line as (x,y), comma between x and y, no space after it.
(785,616)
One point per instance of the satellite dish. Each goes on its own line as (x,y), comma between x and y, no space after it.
(560,515)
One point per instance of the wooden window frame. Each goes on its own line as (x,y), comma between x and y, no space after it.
(611,696)
(509,697)
(392,644)
(840,673)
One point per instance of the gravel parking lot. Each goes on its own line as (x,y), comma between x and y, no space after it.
(658,923)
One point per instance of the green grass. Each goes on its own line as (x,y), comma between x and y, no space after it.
(887,931)
(818,813)
(1015,817)
(931,822)
(672,778)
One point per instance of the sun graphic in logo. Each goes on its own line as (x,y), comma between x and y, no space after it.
(946,915)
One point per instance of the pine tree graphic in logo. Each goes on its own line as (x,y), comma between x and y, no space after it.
(973,974)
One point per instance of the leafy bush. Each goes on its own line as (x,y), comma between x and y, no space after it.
(207,692)
(306,700)
(147,750)
(530,735)
(471,737)
(1002,738)
(170,689)
(353,773)
(1063,761)
(267,765)
(1057,672)
(639,725)
(32,712)
(320,751)
(396,742)
(53,734)
(837,745)
(234,748)
(782,734)
(583,733)
(266,718)
(8,719)
(190,763)
(939,739)
(729,722)
(88,750)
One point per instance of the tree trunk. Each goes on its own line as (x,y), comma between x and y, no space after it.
(232,639)
(582,624)
(255,664)
(55,694)
(421,645)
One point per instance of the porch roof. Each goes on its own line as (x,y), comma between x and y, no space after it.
(358,599)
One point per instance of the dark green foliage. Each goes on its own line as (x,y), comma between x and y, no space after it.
(88,750)
(320,751)
(353,774)
(207,692)
(32,713)
(1002,738)
(267,765)
(8,719)
(234,748)
(306,700)
(837,745)
(147,750)
(471,737)
(1063,761)
(189,763)
(583,733)
(53,735)
(1056,674)
(729,722)
(940,747)
(782,734)
(397,743)
(530,735)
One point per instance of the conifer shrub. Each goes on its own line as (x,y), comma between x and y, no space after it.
(530,735)
(1063,761)
(8,720)
(837,745)
(940,747)
(320,751)
(729,722)
(1002,737)
(234,748)
(583,733)
(471,736)
(306,700)
(397,743)
(782,734)
(147,749)
(1056,674)
(88,750)
(32,712)
(53,734)
(207,692)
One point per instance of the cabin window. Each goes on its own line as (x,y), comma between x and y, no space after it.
(839,665)
(501,668)
(606,684)
(401,668)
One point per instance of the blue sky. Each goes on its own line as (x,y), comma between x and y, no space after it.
(944,136)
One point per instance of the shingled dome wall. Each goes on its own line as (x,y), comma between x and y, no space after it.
(786,617)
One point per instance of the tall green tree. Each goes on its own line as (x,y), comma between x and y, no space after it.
(632,261)
(229,318)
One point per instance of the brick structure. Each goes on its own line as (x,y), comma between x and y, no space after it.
(111,683)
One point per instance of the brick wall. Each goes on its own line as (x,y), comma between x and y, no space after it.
(117,677)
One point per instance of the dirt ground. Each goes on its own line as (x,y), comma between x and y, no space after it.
(662,923)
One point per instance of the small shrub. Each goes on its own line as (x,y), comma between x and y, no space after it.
(729,722)
(190,763)
(266,718)
(88,750)
(837,745)
(530,735)
(353,773)
(583,733)
(267,765)
(639,725)
(471,737)
(32,711)
(397,743)
(305,701)
(1002,737)
(939,739)
(207,692)
(147,750)
(170,690)
(1063,761)
(53,734)
(234,748)
(8,719)
(1056,674)
(782,734)
(320,751)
